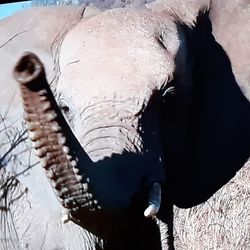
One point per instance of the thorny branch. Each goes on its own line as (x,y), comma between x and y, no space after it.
(13,37)
(8,154)
(15,160)
(12,149)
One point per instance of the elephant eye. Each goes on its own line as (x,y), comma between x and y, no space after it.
(64,108)
(169,93)
(63,104)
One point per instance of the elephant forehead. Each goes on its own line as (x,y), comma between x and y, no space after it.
(119,49)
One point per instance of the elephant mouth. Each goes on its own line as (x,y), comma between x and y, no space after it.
(66,164)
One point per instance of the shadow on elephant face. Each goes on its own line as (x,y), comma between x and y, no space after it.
(121,184)
(218,134)
(128,230)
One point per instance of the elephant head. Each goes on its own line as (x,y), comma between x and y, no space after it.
(115,71)
(104,140)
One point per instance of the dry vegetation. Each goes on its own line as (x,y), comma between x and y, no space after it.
(221,223)
(12,148)
(103,4)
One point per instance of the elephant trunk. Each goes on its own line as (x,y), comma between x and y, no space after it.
(68,167)
(63,159)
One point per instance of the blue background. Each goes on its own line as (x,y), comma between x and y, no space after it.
(9,9)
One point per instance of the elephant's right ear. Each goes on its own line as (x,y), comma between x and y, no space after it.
(91,11)
(183,11)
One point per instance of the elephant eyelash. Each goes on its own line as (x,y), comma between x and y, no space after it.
(169,93)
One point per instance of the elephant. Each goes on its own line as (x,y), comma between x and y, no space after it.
(130,110)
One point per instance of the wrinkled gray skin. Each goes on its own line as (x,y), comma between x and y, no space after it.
(110,72)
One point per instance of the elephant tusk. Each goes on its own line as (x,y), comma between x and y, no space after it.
(154,200)
(65,218)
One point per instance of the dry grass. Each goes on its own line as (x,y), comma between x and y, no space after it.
(221,223)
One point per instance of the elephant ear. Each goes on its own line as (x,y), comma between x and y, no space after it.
(91,11)
(217,135)
(182,11)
